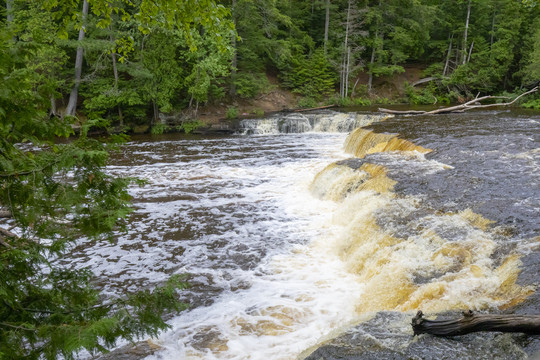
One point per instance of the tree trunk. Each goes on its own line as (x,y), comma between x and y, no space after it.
(466,32)
(374,51)
(10,17)
(528,324)
(9,11)
(326,25)
(370,78)
(470,52)
(155,118)
(451,38)
(345,72)
(52,111)
(115,69)
(348,71)
(354,87)
(341,77)
(492,32)
(315,108)
(234,60)
(73,97)
(372,62)
(115,72)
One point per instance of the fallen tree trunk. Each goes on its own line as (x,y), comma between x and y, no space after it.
(315,108)
(528,324)
(423,81)
(472,104)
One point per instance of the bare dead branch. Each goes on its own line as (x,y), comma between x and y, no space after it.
(528,324)
(402,112)
(423,81)
(7,233)
(5,244)
(472,104)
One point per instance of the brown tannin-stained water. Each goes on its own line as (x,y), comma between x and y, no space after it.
(306,228)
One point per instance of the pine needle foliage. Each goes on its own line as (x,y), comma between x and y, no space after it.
(54,194)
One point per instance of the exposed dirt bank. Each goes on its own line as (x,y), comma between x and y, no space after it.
(279,99)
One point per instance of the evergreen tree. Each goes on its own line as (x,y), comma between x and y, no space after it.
(55,194)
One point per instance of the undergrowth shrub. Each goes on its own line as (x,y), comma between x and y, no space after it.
(231,113)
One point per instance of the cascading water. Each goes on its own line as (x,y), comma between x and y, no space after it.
(324,121)
(291,241)
(452,230)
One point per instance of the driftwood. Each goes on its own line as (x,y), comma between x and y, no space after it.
(469,105)
(528,324)
(315,108)
(423,81)
(6,234)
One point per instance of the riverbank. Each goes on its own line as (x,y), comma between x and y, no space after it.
(222,117)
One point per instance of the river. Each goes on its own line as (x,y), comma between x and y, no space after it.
(304,233)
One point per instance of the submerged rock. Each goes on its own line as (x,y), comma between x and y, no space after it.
(138,350)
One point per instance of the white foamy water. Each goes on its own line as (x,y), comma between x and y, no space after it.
(295,296)
(237,215)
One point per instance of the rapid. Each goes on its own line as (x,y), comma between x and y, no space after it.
(304,227)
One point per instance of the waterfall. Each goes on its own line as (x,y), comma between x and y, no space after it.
(362,142)
(435,261)
(324,121)
(339,180)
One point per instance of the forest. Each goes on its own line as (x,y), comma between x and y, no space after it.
(77,65)
(324,51)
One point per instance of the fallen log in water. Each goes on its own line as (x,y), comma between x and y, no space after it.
(469,105)
(315,108)
(470,322)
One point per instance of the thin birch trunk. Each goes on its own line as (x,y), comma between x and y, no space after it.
(9,11)
(115,69)
(72,104)
(52,111)
(234,61)
(345,75)
(354,87)
(470,52)
(348,71)
(465,33)
(372,61)
(326,25)
(115,72)
(451,38)
(373,54)
(492,32)
(341,79)
(10,17)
